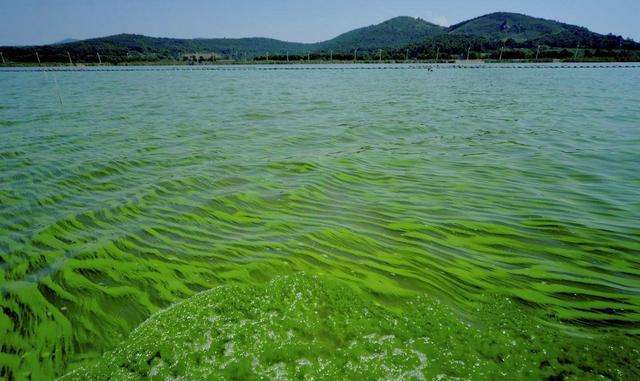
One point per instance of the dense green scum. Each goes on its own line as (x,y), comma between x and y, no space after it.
(143,189)
(314,328)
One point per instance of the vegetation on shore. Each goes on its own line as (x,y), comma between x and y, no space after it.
(492,36)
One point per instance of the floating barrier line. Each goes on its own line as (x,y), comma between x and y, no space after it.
(319,67)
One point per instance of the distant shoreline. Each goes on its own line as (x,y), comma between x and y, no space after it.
(306,62)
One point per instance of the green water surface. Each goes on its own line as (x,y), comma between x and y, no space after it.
(361,224)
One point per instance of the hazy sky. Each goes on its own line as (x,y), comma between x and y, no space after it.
(26,22)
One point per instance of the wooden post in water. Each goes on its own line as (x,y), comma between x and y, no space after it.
(406,56)
(99,59)
(501,51)
(54,78)
(437,54)
(267,61)
(287,57)
(468,52)
(308,57)
(380,56)
(331,56)
(538,52)
(355,55)
(575,56)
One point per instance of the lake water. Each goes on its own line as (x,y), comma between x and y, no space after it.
(467,187)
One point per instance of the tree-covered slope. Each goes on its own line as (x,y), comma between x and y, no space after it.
(390,34)
(530,31)
(393,36)
(394,33)
(503,26)
(129,47)
(488,34)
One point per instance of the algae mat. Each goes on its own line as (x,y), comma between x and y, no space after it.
(313,328)
(433,196)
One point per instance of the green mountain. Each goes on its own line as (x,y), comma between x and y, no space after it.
(175,46)
(390,34)
(486,33)
(525,31)
(394,33)
(133,47)
(517,36)
(504,26)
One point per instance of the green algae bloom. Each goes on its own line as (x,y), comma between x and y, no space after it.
(412,196)
(313,328)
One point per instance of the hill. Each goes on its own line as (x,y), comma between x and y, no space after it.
(390,34)
(488,34)
(394,33)
(525,31)
(133,47)
(517,36)
(514,26)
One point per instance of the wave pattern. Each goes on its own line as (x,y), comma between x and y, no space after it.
(145,188)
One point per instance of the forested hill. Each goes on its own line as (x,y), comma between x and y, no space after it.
(503,26)
(492,32)
(394,33)
(134,47)
(526,30)
(518,36)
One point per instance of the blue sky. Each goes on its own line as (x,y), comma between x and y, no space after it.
(25,22)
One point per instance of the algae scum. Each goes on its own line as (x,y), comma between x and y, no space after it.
(361,224)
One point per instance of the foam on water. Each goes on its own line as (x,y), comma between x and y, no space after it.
(315,328)
(149,187)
